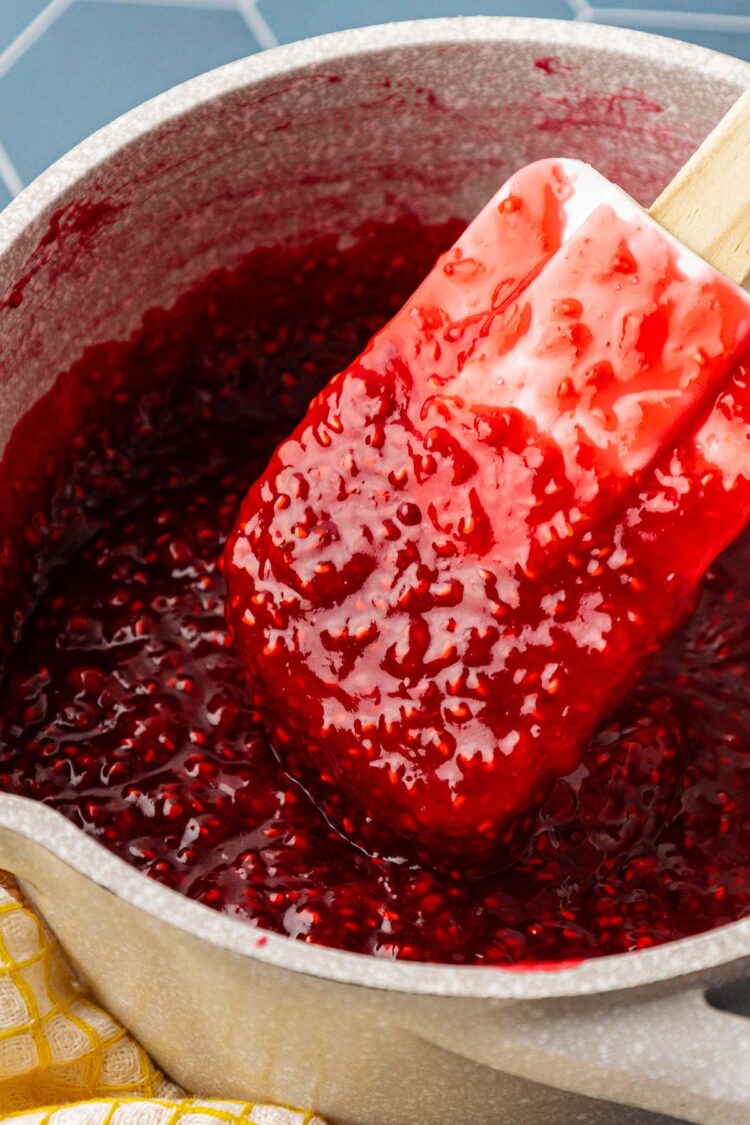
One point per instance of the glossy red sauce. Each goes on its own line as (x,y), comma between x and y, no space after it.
(125,707)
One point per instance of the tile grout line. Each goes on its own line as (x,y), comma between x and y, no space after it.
(33,31)
(581,9)
(675,21)
(8,172)
(257,23)
(207,5)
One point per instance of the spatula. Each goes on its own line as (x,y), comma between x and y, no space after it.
(470,546)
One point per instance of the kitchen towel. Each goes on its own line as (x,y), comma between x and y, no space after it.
(65,1061)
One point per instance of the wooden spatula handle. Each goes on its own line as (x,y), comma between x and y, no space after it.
(707,204)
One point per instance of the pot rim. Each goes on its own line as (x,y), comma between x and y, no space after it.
(44,826)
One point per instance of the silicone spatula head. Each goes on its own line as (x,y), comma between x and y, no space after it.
(482,528)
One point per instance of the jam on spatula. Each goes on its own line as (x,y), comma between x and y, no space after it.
(485,526)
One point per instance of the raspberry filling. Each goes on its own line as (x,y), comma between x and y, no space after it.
(125,706)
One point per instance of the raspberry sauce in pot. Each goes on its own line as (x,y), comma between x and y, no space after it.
(125,707)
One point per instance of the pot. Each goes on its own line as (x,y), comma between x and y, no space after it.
(429,117)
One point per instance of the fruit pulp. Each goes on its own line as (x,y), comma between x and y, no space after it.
(125,708)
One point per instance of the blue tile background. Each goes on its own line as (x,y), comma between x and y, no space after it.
(69,66)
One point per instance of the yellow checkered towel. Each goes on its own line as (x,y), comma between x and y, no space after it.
(64,1061)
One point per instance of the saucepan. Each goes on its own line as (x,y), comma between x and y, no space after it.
(317,137)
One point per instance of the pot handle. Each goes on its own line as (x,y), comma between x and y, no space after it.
(675,1054)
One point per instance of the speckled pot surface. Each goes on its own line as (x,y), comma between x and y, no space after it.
(449,108)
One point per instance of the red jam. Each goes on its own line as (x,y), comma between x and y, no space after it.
(126,708)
